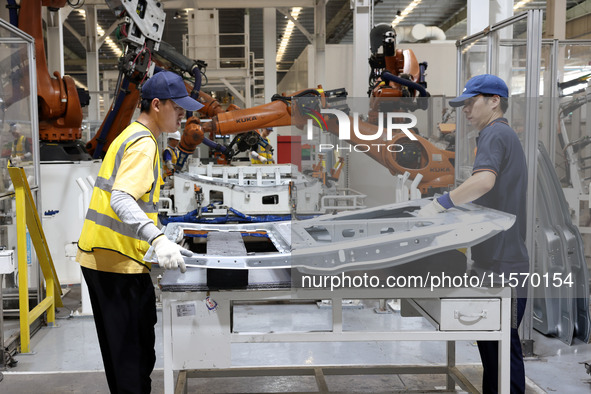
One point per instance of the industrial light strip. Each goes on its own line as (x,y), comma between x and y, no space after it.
(108,40)
(520,4)
(406,12)
(295,13)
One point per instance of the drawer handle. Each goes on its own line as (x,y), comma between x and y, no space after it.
(458,315)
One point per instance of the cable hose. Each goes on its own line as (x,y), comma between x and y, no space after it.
(413,85)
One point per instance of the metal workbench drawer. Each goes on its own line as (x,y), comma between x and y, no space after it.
(453,314)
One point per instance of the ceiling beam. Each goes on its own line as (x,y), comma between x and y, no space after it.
(341,23)
(456,18)
(579,10)
(79,62)
(578,20)
(300,27)
(81,39)
(239,3)
(204,4)
(334,30)
(101,40)
(579,27)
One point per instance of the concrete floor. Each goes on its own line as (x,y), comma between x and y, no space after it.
(67,359)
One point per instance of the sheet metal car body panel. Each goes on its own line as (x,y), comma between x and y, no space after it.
(365,239)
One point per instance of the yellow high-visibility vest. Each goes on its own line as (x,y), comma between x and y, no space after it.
(263,152)
(102,227)
(174,153)
(18,146)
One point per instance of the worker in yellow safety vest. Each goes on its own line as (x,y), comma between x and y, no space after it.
(264,152)
(21,145)
(171,153)
(119,227)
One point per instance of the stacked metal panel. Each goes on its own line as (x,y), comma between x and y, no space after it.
(561,311)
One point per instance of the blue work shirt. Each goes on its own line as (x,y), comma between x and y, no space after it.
(500,152)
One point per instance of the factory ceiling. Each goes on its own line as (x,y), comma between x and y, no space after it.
(449,15)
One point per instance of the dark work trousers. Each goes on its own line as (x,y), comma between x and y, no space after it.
(489,353)
(124,308)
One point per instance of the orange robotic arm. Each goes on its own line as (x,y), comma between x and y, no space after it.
(276,113)
(416,157)
(273,114)
(60,113)
(212,107)
(120,119)
(394,73)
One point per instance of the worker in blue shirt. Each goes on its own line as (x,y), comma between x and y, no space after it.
(498,181)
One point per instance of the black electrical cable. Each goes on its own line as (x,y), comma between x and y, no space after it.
(408,83)
(13,9)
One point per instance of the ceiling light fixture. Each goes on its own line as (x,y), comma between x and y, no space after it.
(520,4)
(401,15)
(108,40)
(295,13)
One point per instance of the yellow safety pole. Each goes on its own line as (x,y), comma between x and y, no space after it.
(27,217)
(50,289)
(53,292)
(23,272)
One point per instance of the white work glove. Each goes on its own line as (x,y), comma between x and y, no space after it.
(15,161)
(431,209)
(255,156)
(170,255)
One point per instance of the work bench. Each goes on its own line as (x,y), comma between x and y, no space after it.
(198,326)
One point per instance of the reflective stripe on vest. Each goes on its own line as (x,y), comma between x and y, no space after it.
(102,227)
(174,153)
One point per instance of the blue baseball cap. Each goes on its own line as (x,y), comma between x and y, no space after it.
(168,85)
(481,84)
